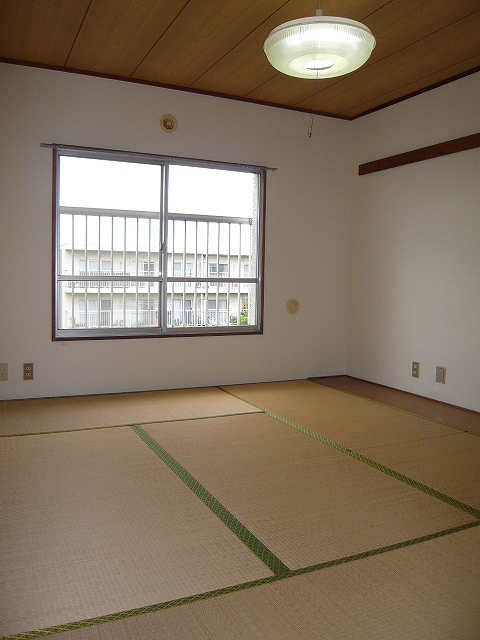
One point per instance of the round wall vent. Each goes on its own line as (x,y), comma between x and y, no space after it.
(168,123)
(293,306)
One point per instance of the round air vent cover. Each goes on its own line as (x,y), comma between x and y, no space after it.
(168,123)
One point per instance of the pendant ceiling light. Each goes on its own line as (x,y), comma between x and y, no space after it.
(319,47)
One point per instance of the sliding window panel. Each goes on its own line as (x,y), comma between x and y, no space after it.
(148,245)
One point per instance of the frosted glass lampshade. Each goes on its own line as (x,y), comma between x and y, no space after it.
(319,47)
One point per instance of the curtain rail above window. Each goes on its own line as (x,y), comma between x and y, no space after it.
(154,157)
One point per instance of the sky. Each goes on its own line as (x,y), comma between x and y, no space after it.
(107,184)
(89,182)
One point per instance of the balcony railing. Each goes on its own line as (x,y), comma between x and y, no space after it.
(119,286)
(108,284)
(190,318)
(129,318)
(92,319)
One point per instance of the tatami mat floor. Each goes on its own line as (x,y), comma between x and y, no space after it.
(278,510)
(463,419)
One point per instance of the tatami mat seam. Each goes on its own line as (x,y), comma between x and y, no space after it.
(252,542)
(112,617)
(128,424)
(372,463)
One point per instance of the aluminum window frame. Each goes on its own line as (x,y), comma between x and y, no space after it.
(162,280)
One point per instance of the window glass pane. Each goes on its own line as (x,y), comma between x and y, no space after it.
(192,310)
(210,305)
(122,304)
(114,240)
(212,192)
(108,184)
(215,244)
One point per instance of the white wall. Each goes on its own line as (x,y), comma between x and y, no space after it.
(414,290)
(306,233)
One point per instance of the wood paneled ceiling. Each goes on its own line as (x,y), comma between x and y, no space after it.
(216,46)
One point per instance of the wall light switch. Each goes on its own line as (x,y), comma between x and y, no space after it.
(441,375)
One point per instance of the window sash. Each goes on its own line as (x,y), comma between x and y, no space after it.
(159,285)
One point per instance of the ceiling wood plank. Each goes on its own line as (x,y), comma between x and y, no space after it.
(283,89)
(42,31)
(246,67)
(118,34)
(415,63)
(419,86)
(202,34)
(405,22)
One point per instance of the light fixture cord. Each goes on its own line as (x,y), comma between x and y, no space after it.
(310,124)
(318,12)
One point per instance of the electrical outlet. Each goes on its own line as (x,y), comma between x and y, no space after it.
(415,369)
(28,370)
(441,375)
(3,371)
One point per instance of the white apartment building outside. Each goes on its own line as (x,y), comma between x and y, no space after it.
(123,302)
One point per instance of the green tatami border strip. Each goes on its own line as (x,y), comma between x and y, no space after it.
(128,424)
(391,406)
(371,463)
(249,540)
(112,617)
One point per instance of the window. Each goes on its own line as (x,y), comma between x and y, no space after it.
(146,268)
(154,246)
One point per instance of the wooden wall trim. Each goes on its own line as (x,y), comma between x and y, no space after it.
(417,155)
